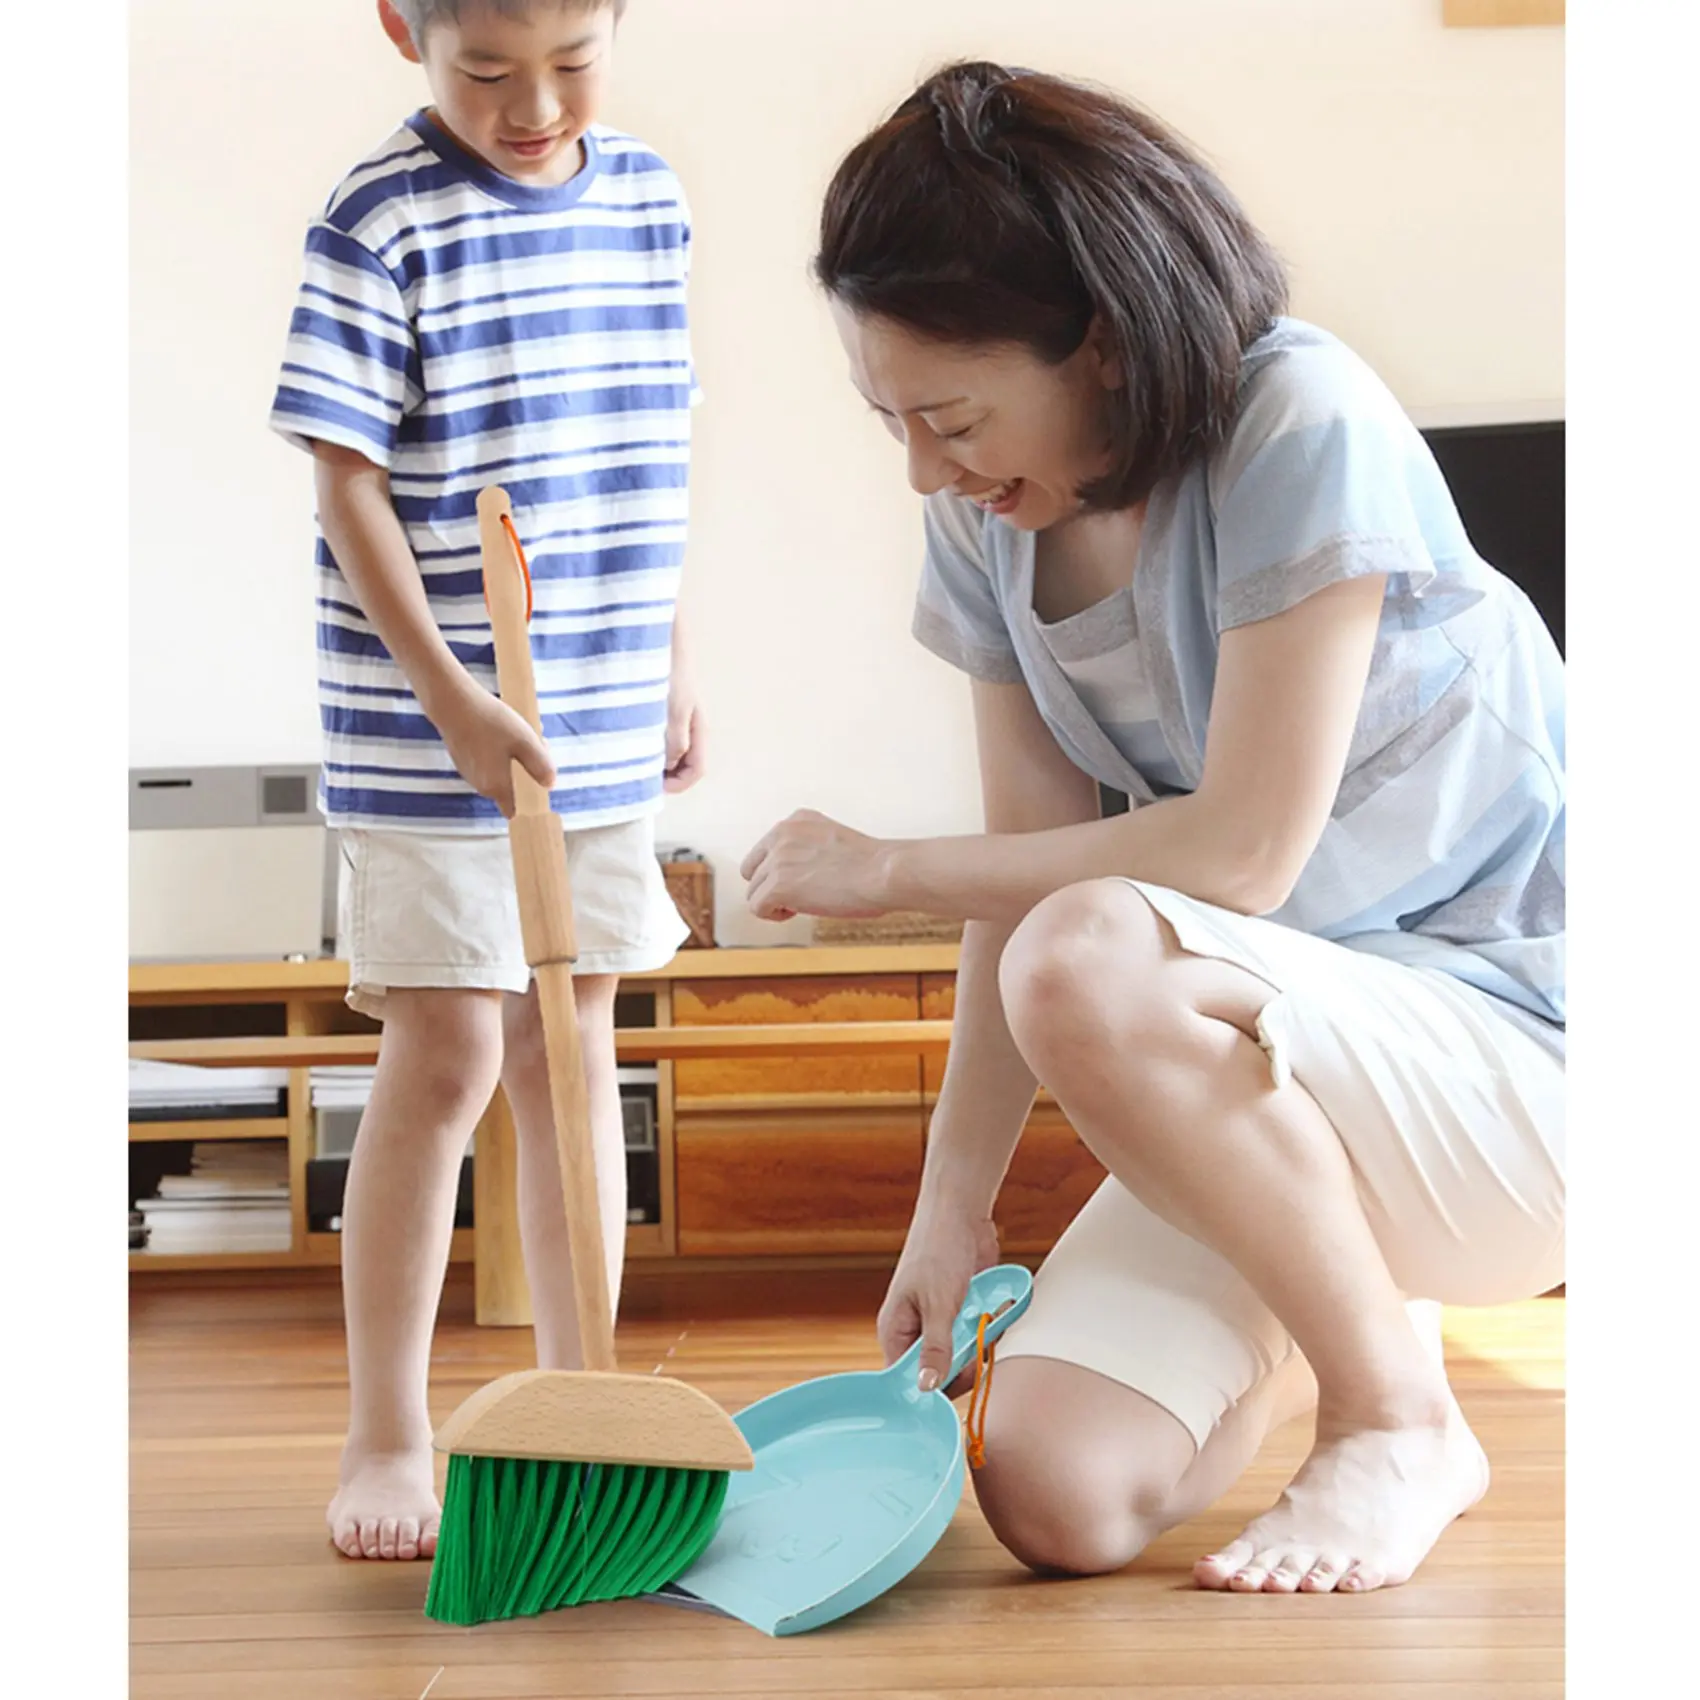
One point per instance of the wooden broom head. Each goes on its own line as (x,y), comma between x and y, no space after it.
(596,1418)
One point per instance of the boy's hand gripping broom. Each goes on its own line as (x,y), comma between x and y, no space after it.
(566,1487)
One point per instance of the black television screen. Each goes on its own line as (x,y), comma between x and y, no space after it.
(1508,482)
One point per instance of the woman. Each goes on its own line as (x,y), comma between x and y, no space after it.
(1304,1000)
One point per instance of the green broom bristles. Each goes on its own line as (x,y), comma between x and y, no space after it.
(520,1536)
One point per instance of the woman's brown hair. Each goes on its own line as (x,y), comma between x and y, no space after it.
(1003,206)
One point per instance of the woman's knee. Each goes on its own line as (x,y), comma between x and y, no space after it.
(1081,1494)
(1079,954)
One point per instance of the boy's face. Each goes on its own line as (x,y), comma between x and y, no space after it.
(519,92)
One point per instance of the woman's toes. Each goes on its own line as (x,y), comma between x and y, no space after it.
(1289,1573)
(1324,1576)
(369,1540)
(1219,1569)
(407,1538)
(1361,1579)
(387,1533)
(1249,1580)
(428,1541)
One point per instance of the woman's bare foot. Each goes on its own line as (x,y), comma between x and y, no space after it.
(1363,1512)
(386,1506)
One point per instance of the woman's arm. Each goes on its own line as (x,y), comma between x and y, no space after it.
(1286,701)
(1029,786)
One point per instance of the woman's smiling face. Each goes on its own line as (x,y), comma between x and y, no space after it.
(995,424)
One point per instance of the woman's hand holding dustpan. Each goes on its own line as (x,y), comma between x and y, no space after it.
(944,1251)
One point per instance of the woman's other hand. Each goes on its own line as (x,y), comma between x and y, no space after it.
(812,865)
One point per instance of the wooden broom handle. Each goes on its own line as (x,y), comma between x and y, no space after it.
(546,925)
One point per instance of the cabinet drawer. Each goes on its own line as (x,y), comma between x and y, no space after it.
(776,1183)
(1050,1178)
(754,1082)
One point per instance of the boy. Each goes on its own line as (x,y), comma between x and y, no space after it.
(494,295)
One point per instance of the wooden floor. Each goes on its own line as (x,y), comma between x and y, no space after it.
(237,1402)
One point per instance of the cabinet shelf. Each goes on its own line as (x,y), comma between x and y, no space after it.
(774,1142)
(245,1127)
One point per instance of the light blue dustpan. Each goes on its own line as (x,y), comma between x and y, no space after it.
(856,1477)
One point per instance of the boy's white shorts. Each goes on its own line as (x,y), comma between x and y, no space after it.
(440,909)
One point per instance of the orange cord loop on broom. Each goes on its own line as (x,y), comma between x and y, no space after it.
(524,565)
(980,1395)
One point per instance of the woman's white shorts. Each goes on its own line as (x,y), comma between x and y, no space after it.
(1452,1115)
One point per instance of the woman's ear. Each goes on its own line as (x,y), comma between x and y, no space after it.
(395,27)
(1105,356)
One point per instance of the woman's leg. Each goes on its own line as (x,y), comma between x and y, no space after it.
(437,1068)
(1155,1058)
(1083,1473)
(543,1228)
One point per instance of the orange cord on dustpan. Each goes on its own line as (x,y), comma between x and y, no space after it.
(980,1396)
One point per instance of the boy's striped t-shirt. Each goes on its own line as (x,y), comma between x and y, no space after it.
(462,329)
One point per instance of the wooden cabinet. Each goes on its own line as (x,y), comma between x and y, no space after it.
(759,1156)
(783,1082)
(796,1183)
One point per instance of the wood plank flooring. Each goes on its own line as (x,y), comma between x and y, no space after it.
(237,1404)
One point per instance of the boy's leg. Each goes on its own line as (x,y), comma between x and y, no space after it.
(437,1068)
(543,1231)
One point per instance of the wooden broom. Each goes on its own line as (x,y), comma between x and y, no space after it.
(566,1486)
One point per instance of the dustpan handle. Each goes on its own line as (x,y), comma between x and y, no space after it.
(1002,1293)
(546,925)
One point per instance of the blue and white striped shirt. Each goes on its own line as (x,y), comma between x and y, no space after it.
(1445,846)
(462,329)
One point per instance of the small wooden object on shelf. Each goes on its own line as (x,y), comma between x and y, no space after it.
(690,883)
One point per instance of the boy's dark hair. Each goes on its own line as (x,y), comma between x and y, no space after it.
(419,15)
(1003,206)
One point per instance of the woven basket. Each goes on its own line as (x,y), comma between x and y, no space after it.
(902,926)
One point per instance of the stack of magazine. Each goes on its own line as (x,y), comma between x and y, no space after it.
(173,1092)
(234,1198)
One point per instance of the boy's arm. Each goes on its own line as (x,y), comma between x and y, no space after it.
(686,751)
(483,735)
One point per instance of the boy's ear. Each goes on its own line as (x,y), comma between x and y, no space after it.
(395,27)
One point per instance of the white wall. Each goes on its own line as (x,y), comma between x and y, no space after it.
(1412,176)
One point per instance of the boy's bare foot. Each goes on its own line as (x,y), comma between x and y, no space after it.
(1362,1513)
(386,1506)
